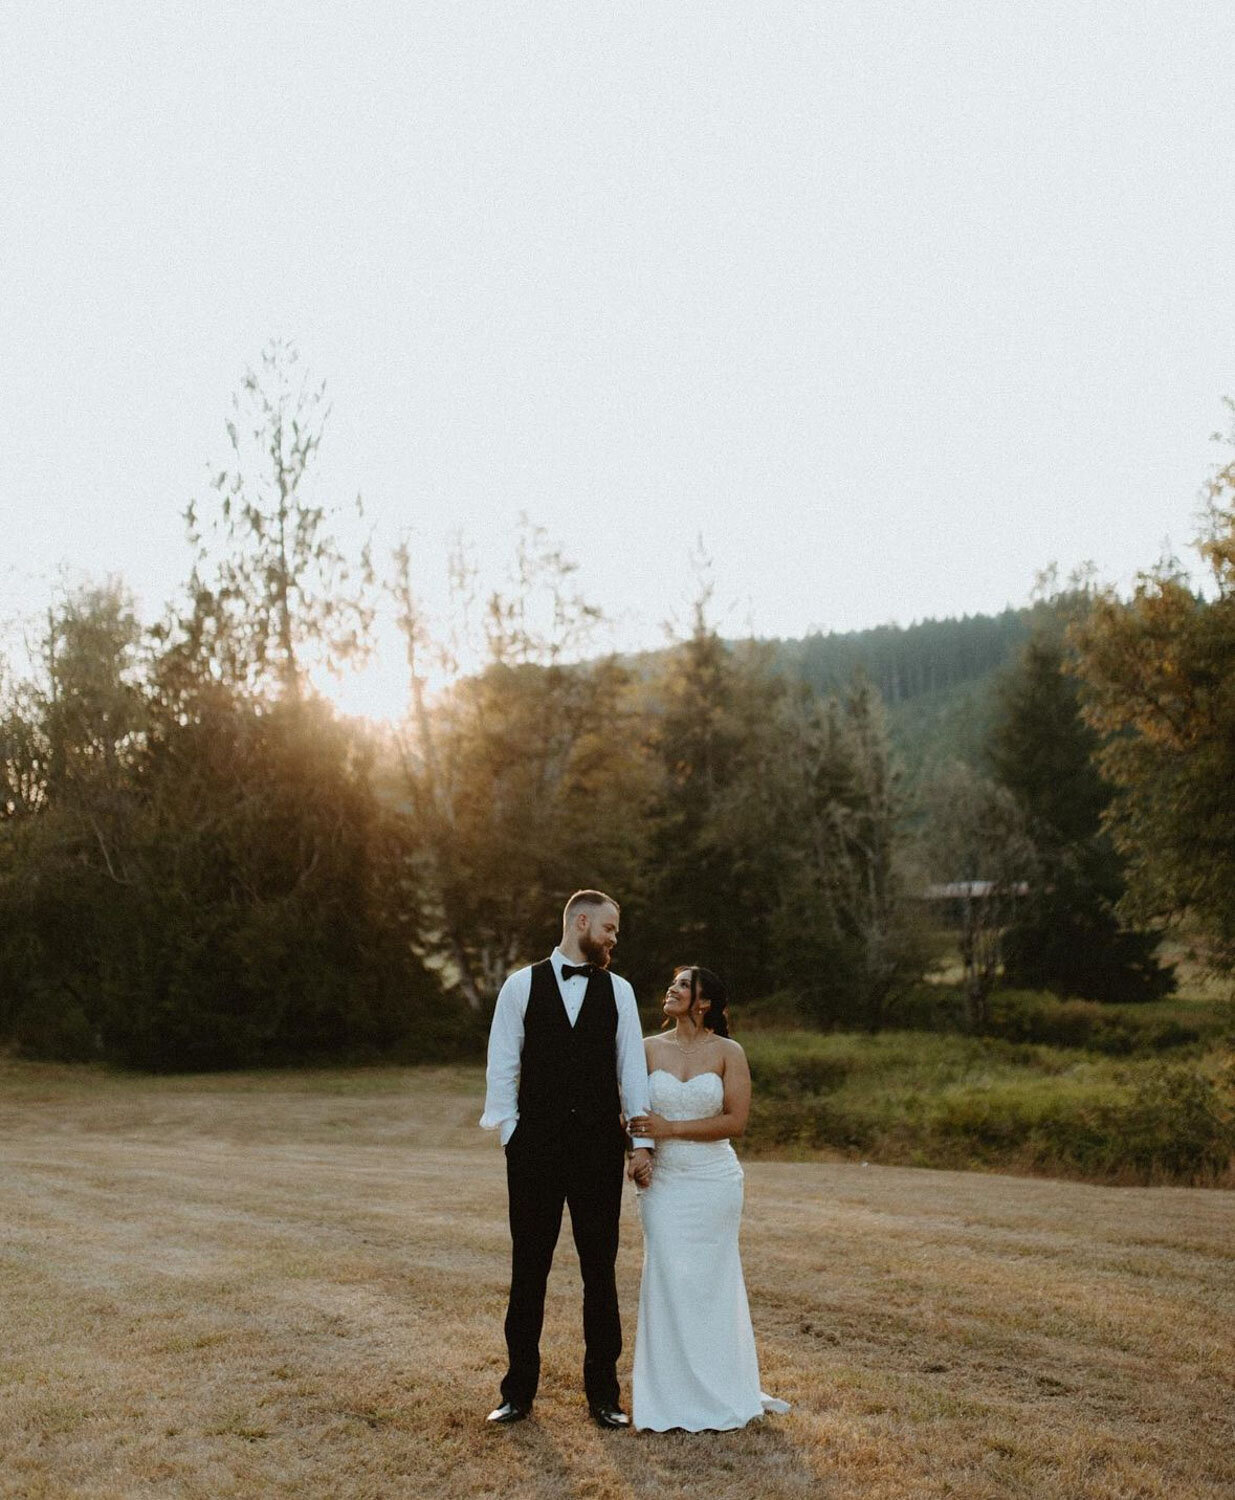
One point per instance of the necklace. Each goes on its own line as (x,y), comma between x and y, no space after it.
(689,1046)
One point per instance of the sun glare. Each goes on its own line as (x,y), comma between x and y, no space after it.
(379,690)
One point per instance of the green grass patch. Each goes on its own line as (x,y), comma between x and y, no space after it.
(952,1101)
(1172,1025)
(1115,1030)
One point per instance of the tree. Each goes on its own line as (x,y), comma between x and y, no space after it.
(526,778)
(92,710)
(273,593)
(1158,684)
(844,930)
(869,889)
(196,869)
(1157,674)
(978,848)
(775,834)
(707,899)
(191,879)
(71,736)
(1067,935)
(274,916)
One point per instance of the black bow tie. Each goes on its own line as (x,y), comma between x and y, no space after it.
(570,970)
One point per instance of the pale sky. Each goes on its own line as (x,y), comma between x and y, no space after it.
(892,303)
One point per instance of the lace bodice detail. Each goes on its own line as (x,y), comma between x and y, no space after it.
(696,1098)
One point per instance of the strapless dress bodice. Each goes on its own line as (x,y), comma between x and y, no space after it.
(696,1098)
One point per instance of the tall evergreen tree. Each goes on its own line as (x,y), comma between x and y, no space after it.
(846,937)
(774,835)
(1067,935)
(707,897)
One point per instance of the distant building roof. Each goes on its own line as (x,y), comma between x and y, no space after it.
(973,890)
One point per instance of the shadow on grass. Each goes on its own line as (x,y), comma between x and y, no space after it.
(561,1458)
(761,1459)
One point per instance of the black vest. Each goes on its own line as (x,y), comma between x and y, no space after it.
(568,1086)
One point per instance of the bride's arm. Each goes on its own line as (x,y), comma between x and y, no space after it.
(729,1123)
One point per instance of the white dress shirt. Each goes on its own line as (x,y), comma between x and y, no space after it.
(506,1045)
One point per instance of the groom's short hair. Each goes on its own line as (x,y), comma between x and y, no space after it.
(586,898)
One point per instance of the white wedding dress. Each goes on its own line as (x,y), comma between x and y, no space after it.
(695,1363)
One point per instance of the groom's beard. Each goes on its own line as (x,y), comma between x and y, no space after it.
(595,953)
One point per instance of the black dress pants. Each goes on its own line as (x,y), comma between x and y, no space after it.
(542,1175)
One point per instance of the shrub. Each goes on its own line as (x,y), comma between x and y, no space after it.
(54,1026)
(948,1101)
(931,1007)
(791,1077)
(1178,1124)
(1036,1016)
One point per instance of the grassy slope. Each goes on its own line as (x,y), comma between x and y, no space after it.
(293,1285)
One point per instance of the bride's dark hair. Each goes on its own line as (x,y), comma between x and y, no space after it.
(705,985)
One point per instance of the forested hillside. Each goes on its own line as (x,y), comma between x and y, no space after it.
(935,678)
(912,661)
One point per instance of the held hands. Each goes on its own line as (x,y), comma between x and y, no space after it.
(639,1167)
(652,1126)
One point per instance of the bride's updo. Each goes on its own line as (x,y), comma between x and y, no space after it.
(705,985)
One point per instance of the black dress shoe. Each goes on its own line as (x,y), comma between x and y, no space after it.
(507,1413)
(609,1416)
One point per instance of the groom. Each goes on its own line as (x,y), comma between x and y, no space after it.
(565,1062)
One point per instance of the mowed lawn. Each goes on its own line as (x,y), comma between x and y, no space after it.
(293,1284)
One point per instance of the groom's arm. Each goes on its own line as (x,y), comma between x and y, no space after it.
(506,1055)
(631,1063)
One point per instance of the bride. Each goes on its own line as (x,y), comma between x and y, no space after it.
(695,1363)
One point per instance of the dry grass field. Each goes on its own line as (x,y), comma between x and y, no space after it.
(293,1285)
